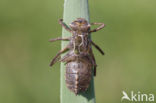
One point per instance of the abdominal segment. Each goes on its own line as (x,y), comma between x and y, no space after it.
(78,76)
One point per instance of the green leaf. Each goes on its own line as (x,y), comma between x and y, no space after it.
(74,9)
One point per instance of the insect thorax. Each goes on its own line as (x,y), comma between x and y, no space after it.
(81,43)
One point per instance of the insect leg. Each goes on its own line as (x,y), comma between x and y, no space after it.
(97,29)
(55,59)
(93,61)
(60,38)
(64,25)
(97,47)
(67,58)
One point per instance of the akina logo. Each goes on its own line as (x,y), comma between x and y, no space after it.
(140,97)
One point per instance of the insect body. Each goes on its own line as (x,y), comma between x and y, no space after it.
(80,59)
(78,74)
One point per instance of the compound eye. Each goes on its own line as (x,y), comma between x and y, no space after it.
(73,23)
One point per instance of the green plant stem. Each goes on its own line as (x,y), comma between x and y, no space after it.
(74,9)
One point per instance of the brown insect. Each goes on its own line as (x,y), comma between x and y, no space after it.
(79,60)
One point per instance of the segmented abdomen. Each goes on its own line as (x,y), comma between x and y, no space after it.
(78,75)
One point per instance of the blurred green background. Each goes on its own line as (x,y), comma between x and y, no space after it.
(129,42)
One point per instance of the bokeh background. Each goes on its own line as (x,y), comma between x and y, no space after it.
(129,42)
